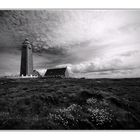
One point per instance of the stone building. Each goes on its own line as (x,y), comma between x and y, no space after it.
(57,73)
(26,68)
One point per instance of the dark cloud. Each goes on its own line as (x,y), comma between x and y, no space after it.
(38,26)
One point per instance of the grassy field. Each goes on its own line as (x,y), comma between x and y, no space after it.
(70,104)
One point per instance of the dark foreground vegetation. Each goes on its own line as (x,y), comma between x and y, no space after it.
(69,104)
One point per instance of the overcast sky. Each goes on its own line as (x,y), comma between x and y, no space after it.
(92,43)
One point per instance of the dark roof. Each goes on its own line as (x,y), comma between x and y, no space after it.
(56,71)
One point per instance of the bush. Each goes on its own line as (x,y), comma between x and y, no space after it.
(91,101)
(101,117)
(67,118)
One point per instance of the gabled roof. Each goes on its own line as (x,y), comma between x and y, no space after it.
(56,71)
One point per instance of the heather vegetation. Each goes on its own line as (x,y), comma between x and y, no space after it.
(69,104)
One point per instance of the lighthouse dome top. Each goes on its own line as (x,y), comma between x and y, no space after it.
(26,41)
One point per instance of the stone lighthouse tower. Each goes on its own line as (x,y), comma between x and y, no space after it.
(26,67)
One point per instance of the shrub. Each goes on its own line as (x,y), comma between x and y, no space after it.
(91,101)
(67,117)
(100,117)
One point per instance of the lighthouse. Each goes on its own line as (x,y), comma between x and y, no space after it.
(26,68)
